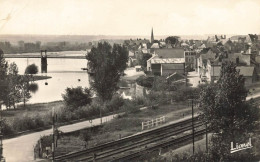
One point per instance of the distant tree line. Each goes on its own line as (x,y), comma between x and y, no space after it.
(28,47)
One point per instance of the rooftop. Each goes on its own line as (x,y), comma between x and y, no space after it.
(170,52)
(167,61)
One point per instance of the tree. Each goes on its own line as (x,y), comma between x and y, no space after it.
(173,40)
(108,65)
(12,92)
(3,76)
(144,59)
(76,97)
(31,69)
(225,109)
(24,88)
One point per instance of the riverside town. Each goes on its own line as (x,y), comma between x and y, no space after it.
(129,81)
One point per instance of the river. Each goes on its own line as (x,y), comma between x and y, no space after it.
(64,72)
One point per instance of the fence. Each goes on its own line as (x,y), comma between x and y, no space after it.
(153,122)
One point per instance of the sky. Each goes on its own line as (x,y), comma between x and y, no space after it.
(129,17)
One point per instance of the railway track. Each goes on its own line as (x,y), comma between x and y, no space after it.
(162,145)
(161,131)
(132,147)
(144,144)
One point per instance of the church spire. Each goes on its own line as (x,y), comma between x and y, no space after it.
(152,38)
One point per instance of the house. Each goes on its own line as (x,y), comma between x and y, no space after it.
(167,61)
(229,45)
(202,60)
(190,60)
(248,72)
(155,45)
(240,59)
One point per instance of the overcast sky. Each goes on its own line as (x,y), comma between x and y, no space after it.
(129,17)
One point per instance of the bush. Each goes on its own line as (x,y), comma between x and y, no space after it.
(115,103)
(139,101)
(76,97)
(31,69)
(85,135)
(184,94)
(129,107)
(26,122)
(145,81)
(6,128)
(33,87)
(157,98)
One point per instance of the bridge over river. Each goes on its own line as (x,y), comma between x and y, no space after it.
(61,54)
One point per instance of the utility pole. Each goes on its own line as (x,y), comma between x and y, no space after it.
(53,135)
(192,127)
(1,134)
(207,138)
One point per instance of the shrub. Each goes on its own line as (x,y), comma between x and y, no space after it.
(157,98)
(129,107)
(31,69)
(145,81)
(6,128)
(139,101)
(76,97)
(27,122)
(33,87)
(115,103)
(85,135)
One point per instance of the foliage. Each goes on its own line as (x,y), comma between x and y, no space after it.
(23,82)
(173,40)
(145,81)
(76,97)
(6,127)
(107,64)
(33,87)
(14,87)
(144,58)
(3,75)
(115,103)
(225,109)
(160,84)
(85,135)
(157,98)
(27,122)
(31,69)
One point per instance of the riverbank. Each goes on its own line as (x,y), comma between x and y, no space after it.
(39,77)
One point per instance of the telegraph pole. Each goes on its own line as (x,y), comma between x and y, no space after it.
(1,134)
(192,127)
(53,135)
(207,138)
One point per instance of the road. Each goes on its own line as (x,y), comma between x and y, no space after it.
(20,149)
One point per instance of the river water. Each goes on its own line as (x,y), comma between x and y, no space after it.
(64,72)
